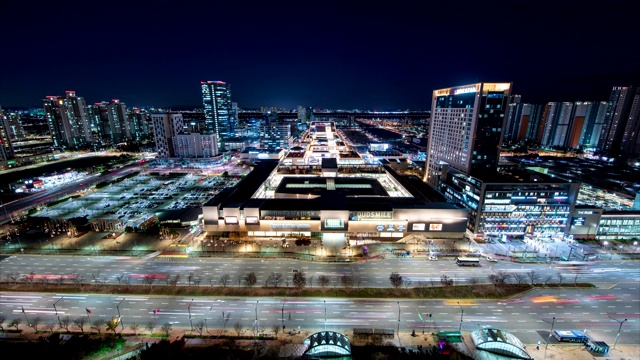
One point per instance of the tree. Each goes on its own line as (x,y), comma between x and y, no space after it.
(276,329)
(560,277)
(547,279)
(2,320)
(575,280)
(299,279)
(64,323)
(238,327)
(98,325)
(166,328)
(149,281)
(79,322)
(323,280)
(174,281)
(520,278)
(347,281)
(190,278)
(533,276)
(199,327)
(396,280)
(274,279)
(134,327)
(50,326)
(16,323)
(474,281)
(224,280)
(150,327)
(250,279)
(35,322)
(112,325)
(446,281)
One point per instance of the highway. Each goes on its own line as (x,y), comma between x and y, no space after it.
(529,317)
(415,271)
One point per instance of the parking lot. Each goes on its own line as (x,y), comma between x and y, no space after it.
(133,201)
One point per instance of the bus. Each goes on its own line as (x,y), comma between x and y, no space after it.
(574,336)
(466,261)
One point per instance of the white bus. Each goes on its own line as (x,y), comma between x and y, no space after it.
(466,261)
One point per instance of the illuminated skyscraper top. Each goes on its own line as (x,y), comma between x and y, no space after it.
(466,128)
(219,119)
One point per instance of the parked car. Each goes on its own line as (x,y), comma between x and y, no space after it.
(490,259)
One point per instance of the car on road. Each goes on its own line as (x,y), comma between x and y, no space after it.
(433,258)
(490,259)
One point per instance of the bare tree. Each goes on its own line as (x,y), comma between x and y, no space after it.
(96,278)
(274,279)
(150,327)
(134,327)
(446,281)
(224,280)
(197,280)
(35,322)
(323,280)
(238,327)
(299,279)
(79,322)
(126,280)
(166,328)
(520,278)
(347,281)
(560,277)
(276,329)
(149,281)
(16,323)
(2,320)
(50,326)
(190,278)
(311,281)
(199,327)
(533,276)
(575,280)
(396,280)
(547,279)
(250,279)
(98,325)
(64,323)
(474,281)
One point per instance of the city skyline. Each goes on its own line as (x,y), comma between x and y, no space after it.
(329,54)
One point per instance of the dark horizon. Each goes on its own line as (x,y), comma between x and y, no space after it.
(323,54)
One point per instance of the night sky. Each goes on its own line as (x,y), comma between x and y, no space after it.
(328,54)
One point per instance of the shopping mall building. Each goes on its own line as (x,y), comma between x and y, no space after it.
(324,189)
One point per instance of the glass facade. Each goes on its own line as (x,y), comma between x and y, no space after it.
(619,227)
(216,98)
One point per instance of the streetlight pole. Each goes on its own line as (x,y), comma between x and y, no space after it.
(256,317)
(56,310)
(619,329)
(189,309)
(325,315)
(553,321)
(398,331)
(461,316)
(119,316)
(282,315)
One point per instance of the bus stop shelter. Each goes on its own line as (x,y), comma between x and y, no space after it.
(598,347)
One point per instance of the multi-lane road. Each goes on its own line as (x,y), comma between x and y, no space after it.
(528,317)
(416,271)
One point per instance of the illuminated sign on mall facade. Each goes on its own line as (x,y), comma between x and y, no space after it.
(465,90)
(366,215)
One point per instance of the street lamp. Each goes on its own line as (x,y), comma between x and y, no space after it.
(325,315)
(56,310)
(189,309)
(620,328)
(120,317)
(553,321)
(398,331)
(635,243)
(461,316)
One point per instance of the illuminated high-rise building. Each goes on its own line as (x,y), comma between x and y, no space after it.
(619,136)
(466,129)
(165,127)
(218,110)
(68,120)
